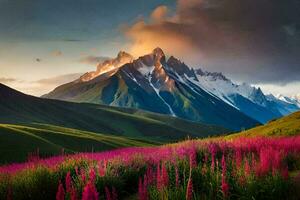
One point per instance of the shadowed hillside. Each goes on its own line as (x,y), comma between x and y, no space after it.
(18,108)
(16,141)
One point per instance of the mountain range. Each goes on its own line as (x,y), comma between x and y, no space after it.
(168,86)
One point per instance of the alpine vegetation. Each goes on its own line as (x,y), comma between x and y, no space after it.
(244,168)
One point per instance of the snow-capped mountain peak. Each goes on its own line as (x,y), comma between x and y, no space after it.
(293,100)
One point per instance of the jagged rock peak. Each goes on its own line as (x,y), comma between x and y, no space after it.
(199,72)
(174,60)
(217,75)
(213,75)
(123,54)
(158,54)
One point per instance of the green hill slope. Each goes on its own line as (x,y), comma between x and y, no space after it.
(285,126)
(21,109)
(17,141)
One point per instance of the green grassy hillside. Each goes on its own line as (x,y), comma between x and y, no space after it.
(21,109)
(285,126)
(17,141)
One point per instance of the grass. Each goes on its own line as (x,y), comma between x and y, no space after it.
(285,126)
(16,141)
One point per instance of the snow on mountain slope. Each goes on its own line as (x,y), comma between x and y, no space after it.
(284,104)
(169,86)
(295,99)
(231,93)
(219,85)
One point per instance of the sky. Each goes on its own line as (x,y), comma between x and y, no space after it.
(47,43)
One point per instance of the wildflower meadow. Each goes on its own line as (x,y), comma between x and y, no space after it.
(242,168)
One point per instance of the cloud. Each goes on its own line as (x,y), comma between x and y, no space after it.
(58,80)
(41,86)
(7,80)
(93,60)
(159,13)
(250,40)
(289,89)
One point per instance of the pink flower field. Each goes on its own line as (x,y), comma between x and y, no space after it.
(243,168)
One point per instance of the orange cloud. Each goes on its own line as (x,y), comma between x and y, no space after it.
(183,34)
(238,38)
(159,13)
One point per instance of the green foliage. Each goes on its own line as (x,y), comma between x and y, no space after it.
(38,184)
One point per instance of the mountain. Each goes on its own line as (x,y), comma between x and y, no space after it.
(155,84)
(296,98)
(248,99)
(285,105)
(285,126)
(18,108)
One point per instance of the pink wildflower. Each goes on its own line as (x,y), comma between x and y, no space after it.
(76,171)
(158,178)
(102,168)
(238,158)
(224,186)
(73,194)
(247,168)
(60,195)
(189,189)
(165,176)
(92,175)
(82,174)
(143,195)
(68,182)
(89,192)
(150,175)
(193,160)
(223,165)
